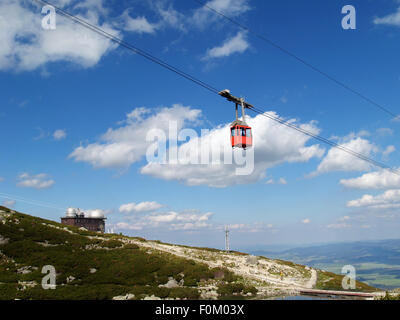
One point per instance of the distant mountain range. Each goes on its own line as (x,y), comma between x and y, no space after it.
(377,262)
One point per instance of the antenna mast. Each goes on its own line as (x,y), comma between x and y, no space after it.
(227,239)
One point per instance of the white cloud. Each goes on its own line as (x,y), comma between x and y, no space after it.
(338,160)
(137,24)
(280,181)
(38,181)
(255,227)
(97,211)
(121,147)
(140,207)
(167,220)
(26,46)
(171,18)
(382,179)
(386,200)
(9,203)
(232,8)
(341,223)
(384,131)
(391,19)
(59,134)
(236,44)
(389,150)
(274,144)
(306,221)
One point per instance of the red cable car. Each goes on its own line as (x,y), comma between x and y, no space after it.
(241,136)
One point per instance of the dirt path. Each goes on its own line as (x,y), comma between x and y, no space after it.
(313,280)
(257,272)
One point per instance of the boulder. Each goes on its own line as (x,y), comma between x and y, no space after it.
(152,297)
(252,260)
(172,283)
(128,296)
(3,240)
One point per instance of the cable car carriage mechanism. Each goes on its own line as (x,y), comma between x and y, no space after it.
(241,135)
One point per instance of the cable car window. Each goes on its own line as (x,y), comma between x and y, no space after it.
(233,131)
(243,132)
(248,132)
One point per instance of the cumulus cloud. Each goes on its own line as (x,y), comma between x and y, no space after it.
(386,200)
(96,212)
(254,227)
(38,181)
(388,150)
(392,19)
(59,134)
(236,44)
(232,8)
(338,160)
(382,179)
(274,144)
(138,24)
(26,46)
(167,220)
(280,181)
(140,207)
(123,146)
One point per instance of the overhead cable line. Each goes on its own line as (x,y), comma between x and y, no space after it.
(130,47)
(327,141)
(301,60)
(213,89)
(32,202)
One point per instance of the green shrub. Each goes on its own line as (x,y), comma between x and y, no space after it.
(131,246)
(111,244)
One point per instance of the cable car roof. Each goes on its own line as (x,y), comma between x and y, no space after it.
(239,123)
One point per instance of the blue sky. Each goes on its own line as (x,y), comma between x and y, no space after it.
(75,110)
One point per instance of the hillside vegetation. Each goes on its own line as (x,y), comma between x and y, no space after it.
(104,266)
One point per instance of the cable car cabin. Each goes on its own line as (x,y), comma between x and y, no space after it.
(241,136)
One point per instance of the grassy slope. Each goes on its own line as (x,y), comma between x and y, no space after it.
(332,281)
(121,269)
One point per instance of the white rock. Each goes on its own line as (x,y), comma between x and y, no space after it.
(152,297)
(3,240)
(251,260)
(128,296)
(24,270)
(172,283)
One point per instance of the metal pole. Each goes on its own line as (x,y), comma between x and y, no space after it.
(227,239)
(237,117)
(243,113)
